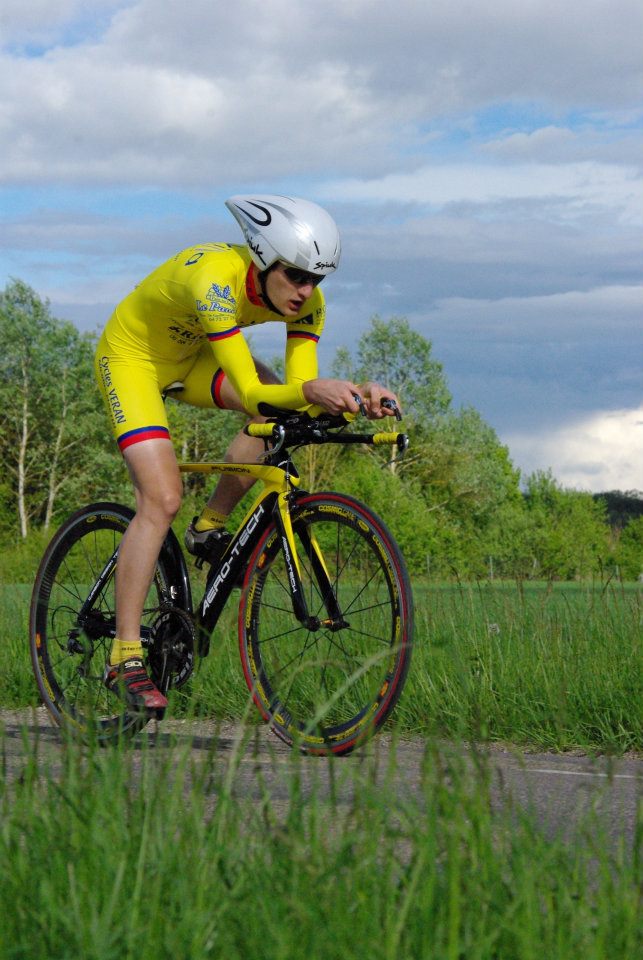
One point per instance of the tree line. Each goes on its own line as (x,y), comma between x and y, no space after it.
(456,503)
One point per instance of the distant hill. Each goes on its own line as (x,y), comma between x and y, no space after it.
(622,506)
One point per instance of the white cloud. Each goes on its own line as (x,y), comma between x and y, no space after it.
(77,116)
(576,184)
(595,139)
(453,55)
(254,90)
(614,310)
(532,363)
(603,452)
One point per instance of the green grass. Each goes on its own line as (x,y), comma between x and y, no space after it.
(558,667)
(552,668)
(17,686)
(143,853)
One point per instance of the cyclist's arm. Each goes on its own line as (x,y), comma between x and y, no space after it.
(301,367)
(222,298)
(302,337)
(233,355)
(336,396)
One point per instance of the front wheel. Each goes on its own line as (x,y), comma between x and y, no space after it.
(327,686)
(72,621)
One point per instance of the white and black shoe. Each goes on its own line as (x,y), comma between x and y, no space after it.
(210,546)
(207,545)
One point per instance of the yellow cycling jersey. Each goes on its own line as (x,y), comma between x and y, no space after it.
(206,293)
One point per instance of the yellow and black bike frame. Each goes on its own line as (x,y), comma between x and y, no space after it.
(280,482)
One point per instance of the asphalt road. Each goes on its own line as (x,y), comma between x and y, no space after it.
(558,789)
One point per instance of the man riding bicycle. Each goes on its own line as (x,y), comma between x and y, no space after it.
(183,325)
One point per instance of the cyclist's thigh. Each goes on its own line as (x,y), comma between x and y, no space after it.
(206,385)
(131,388)
(155,473)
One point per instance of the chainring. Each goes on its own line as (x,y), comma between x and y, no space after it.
(171,649)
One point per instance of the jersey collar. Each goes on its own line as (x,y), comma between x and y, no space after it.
(251,289)
(255,298)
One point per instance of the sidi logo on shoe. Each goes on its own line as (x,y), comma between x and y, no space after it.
(130,682)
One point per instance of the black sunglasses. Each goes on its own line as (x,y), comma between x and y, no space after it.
(302,277)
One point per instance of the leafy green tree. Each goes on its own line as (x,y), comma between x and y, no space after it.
(454,502)
(628,554)
(469,466)
(49,407)
(400,358)
(458,475)
(398,502)
(569,532)
(23,393)
(622,506)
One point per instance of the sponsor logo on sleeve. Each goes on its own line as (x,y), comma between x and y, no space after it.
(220,300)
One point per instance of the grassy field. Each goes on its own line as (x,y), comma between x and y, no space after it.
(137,853)
(555,667)
(559,666)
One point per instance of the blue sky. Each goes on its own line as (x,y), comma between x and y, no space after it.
(483,160)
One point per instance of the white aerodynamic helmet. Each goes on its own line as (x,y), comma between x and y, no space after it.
(294,231)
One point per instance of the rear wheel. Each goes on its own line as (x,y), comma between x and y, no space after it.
(329,685)
(72,622)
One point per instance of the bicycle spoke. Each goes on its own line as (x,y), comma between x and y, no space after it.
(297,656)
(372,606)
(359,594)
(284,633)
(285,697)
(369,635)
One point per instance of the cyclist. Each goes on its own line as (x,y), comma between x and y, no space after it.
(182,327)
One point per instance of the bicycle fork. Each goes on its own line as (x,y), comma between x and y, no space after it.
(334,620)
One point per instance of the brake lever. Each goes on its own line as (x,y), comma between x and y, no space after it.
(391,405)
(278,438)
(360,403)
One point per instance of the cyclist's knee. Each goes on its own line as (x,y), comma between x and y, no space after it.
(156,478)
(160,500)
(160,505)
(170,503)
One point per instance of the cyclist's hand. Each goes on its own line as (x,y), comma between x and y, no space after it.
(336,396)
(379,401)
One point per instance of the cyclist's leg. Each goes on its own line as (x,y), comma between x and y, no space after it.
(242,449)
(207,386)
(157,485)
(131,389)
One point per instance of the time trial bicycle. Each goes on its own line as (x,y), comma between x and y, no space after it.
(325,614)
